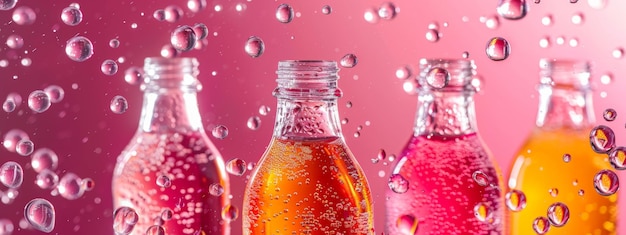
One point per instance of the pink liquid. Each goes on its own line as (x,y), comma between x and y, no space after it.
(443,196)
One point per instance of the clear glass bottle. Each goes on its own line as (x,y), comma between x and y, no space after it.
(307,181)
(170,164)
(445,180)
(556,163)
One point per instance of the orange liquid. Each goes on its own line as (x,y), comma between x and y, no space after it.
(308,187)
(540,168)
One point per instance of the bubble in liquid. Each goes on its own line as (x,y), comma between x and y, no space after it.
(118,104)
(480,178)
(284,13)
(163,181)
(602,139)
(432,35)
(482,212)
(617,158)
(264,110)
(6,5)
(348,61)
(124,220)
(40,214)
(567,157)
(133,75)
(398,184)
(47,179)
(39,101)
(11,174)
(55,93)
(236,167)
(512,9)
(230,213)
(155,230)
(24,15)
(618,53)
(498,49)
(407,224)
(15,41)
(254,47)
(403,72)
(79,48)
(12,137)
(216,189)
(196,5)
(387,11)
(554,192)
(6,226)
(24,147)
(70,186)
(606,182)
(220,132)
(254,123)
(609,114)
(326,10)
(71,16)
(558,214)
(492,22)
(109,67)
(201,31)
(597,4)
(173,13)
(515,200)
(577,18)
(541,225)
(183,38)
(371,16)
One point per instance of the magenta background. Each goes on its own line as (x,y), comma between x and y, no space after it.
(89,137)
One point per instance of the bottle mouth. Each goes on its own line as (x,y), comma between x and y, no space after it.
(565,73)
(446,74)
(307,78)
(171,72)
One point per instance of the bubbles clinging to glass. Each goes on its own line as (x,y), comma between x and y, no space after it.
(498,49)
(512,9)
(254,46)
(155,230)
(492,22)
(264,110)
(348,61)
(618,53)
(55,93)
(609,114)
(109,67)
(432,35)
(71,16)
(118,104)
(39,101)
(254,123)
(159,14)
(578,18)
(515,200)
(606,78)
(24,15)
(284,13)
(79,48)
(371,15)
(40,214)
(163,181)
(230,212)
(216,189)
(183,38)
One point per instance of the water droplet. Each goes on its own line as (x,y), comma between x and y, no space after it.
(465,55)
(407,224)
(387,11)
(118,104)
(437,77)
(515,200)
(254,47)
(558,214)
(498,49)
(398,184)
(15,41)
(124,220)
(196,5)
(480,178)
(38,101)
(163,181)
(70,186)
(560,40)
(47,179)
(567,157)
(236,167)
(133,75)
(512,9)
(432,35)
(602,139)
(12,137)
(155,230)
(220,132)
(573,1)
(541,225)
(371,16)
(606,78)
(7,4)
(9,105)
(547,20)
(597,4)
(55,93)
(482,212)
(573,42)
(79,48)
(554,192)
(167,214)
(201,31)
(159,14)
(109,67)
(6,226)
(254,123)
(284,13)
(264,110)
(606,182)
(11,174)
(348,61)
(71,16)
(24,147)
(403,72)
(173,13)
(492,22)
(230,213)
(88,184)
(380,156)
(326,10)
(216,189)
(618,53)
(617,157)
(24,15)
(183,38)
(40,214)
(578,18)
(609,114)
(114,43)
(544,42)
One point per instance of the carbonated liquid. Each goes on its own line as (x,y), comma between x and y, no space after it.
(543,173)
(453,188)
(308,187)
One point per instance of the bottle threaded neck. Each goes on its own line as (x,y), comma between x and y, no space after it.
(171,73)
(565,73)
(307,79)
(446,74)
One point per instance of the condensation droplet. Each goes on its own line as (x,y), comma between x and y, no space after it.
(236,167)
(512,9)
(609,114)
(498,49)
(437,77)
(606,78)
(230,213)
(11,174)
(79,48)
(24,15)
(480,178)
(606,182)
(109,67)
(432,35)
(216,189)
(40,214)
(407,224)
(602,139)
(284,13)
(118,104)
(617,158)
(326,10)
(38,101)
(70,186)
(47,179)
(15,41)
(254,47)
(544,42)
(133,75)
(220,132)
(541,225)
(348,61)
(558,214)
(515,200)
(163,181)
(55,93)
(124,220)
(183,38)
(398,184)
(387,11)
(71,16)
(24,147)
(168,51)
(380,156)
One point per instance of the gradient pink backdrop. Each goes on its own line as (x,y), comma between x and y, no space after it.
(89,136)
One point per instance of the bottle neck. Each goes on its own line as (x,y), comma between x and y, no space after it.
(564,108)
(445,113)
(307,119)
(170,110)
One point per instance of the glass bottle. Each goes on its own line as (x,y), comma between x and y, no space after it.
(165,172)
(557,163)
(307,181)
(445,180)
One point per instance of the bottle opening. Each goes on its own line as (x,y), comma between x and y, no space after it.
(446,74)
(565,73)
(171,72)
(307,78)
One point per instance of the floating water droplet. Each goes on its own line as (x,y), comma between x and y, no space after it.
(254,123)
(173,13)
(326,10)
(498,49)
(133,75)
(606,182)
(71,16)
(47,179)
(6,5)
(236,167)
(387,11)
(606,78)
(512,9)
(482,212)
(348,61)
(554,192)
(55,93)
(201,31)
(88,184)
(577,18)
(541,225)
(24,147)
(558,214)
(163,181)
(602,139)
(9,105)
(544,42)
(167,214)
(79,48)
(380,156)
(515,200)
(609,114)
(24,15)
(70,186)
(12,137)
(597,4)
(114,43)
(159,14)
(11,174)
(38,101)
(284,13)
(118,104)
(216,189)
(403,72)
(432,35)
(617,158)
(230,213)
(407,225)
(618,53)
(183,38)
(220,132)
(398,184)
(547,20)
(40,214)
(124,220)
(492,22)
(15,41)
(264,110)
(371,16)
(6,226)
(410,86)
(573,42)
(437,77)
(109,67)
(480,178)
(567,157)
(254,47)
(196,5)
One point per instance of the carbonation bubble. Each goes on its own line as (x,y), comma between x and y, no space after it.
(196,5)
(558,214)
(230,213)
(201,31)
(512,9)
(236,167)
(567,157)
(254,123)
(167,214)
(403,72)
(15,41)
(554,192)
(482,212)
(6,226)
(254,47)
(326,10)
(12,137)
(109,67)
(6,5)
(284,13)
(163,181)
(38,101)
(173,13)
(515,200)
(55,93)
(118,104)
(437,77)
(24,147)
(348,61)
(71,16)
(398,184)
(617,158)
(387,11)
(371,16)
(407,225)
(133,75)
(155,230)
(602,139)
(264,110)
(40,214)
(216,189)
(220,131)
(124,220)
(79,48)
(87,184)
(159,14)
(541,225)
(480,178)
(11,174)
(70,186)
(183,38)
(609,114)
(47,179)
(606,182)
(432,35)
(597,4)
(492,22)
(498,49)
(24,15)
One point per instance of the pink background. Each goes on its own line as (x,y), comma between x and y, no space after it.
(88,137)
